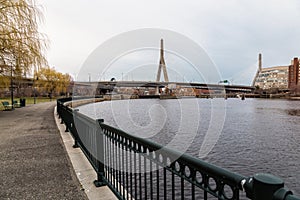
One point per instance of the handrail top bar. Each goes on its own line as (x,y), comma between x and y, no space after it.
(89,119)
(182,157)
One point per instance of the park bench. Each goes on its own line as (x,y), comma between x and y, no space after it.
(6,105)
(16,104)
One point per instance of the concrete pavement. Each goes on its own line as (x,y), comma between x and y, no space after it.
(33,161)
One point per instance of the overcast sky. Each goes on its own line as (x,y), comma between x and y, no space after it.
(232,32)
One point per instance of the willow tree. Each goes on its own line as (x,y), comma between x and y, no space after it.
(52,82)
(22,46)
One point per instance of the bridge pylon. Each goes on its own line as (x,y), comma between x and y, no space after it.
(162,64)
(258,70)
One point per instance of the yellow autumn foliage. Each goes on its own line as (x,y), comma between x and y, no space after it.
(22,46)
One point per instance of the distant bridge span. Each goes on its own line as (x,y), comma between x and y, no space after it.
(110,85)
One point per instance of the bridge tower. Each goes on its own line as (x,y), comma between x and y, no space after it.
(162,64)
(259,69)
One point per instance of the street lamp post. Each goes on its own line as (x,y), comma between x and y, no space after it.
(11,87)
(35,78)
(34,97)
(34,87)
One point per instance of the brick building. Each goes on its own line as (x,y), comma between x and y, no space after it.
(294,74)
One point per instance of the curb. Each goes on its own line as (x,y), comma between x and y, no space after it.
(83,169)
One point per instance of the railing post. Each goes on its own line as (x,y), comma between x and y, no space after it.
(58,108)
(75,145)
(265,186)
(100,155)
(62,113)
(67,120)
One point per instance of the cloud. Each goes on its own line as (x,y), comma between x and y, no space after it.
(232,32)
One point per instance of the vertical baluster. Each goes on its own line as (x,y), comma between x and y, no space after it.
(114,161)
(205,195)
(173,186)
(130,166)
(135,174)
(151,180)
(140,172)
(193,191)
(157,180)
(182,188)
(119,165)
(123,168)
(145,172)
(105,155)
(205,180)
(110,158)
(126,160)
(165,183)
(236,193)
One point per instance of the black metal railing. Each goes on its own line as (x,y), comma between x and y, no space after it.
(136,168)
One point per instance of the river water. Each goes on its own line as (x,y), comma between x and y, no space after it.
(247,137)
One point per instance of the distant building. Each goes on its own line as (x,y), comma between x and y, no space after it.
(294,74)
(272,77)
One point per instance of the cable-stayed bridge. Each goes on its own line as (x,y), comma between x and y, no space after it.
(102,86)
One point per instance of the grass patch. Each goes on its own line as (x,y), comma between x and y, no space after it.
(29,100)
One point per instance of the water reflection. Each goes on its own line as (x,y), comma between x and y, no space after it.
(293,112)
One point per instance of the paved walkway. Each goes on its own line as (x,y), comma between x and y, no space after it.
(33,161)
